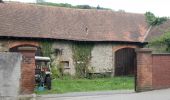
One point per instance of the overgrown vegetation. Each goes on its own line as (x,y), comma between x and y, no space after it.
(46,48)
(70,6)
(161,43)
(55,72)
(98,84)
(81,57)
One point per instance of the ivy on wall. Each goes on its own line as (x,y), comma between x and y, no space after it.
(46,48)
(81,57)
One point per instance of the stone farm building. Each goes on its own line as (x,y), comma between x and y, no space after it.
(115,35)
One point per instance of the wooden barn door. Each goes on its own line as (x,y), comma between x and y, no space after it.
(125,62)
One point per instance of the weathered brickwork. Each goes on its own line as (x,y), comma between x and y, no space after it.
(161,71)
(15,43)
(121,46)
(5,45)
(27,69)
(144,70)
(153,70)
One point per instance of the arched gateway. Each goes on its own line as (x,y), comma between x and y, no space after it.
(28,51)
(125,62)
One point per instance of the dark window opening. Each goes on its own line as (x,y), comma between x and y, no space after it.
(65,64)
(58,52)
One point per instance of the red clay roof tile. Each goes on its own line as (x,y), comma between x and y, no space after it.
(30,20)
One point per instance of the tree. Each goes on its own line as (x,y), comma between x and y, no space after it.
(43,2)
(161,43)
(84,7)
(152,20)
(98,7)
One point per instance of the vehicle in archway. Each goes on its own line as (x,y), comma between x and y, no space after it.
(43,72)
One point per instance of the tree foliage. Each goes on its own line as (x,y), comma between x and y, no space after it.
(152,20)
(70,6)
(161,43)
(46,48)
(84,7)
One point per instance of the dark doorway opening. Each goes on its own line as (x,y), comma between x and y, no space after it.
(125,62)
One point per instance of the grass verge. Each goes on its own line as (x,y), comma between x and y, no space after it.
(84,85)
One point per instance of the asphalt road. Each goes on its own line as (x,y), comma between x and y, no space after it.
(107,95)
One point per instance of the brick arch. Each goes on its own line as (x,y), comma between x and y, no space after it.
(28,50)
(119,47)
(23,43)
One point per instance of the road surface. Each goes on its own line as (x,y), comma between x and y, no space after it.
(108,95)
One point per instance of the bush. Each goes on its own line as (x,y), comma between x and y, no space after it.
(55,72)
(161,43)
(98,75)
(81,57)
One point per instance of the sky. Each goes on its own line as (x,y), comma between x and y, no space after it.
(158,7)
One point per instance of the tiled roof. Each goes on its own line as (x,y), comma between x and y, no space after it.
(36,21)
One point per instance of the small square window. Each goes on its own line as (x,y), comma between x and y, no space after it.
(65,64)
(58,52)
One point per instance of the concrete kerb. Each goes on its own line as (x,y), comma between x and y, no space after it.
(20,97)
(75,94)
(27,97)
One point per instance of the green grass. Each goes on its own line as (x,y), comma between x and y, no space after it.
(82,85)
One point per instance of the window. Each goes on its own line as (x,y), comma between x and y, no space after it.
(65,64)
(58,52)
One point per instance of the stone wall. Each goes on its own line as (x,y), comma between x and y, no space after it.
(10,75)
(65,55)
(102,54)
(3,46)
(102,58)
